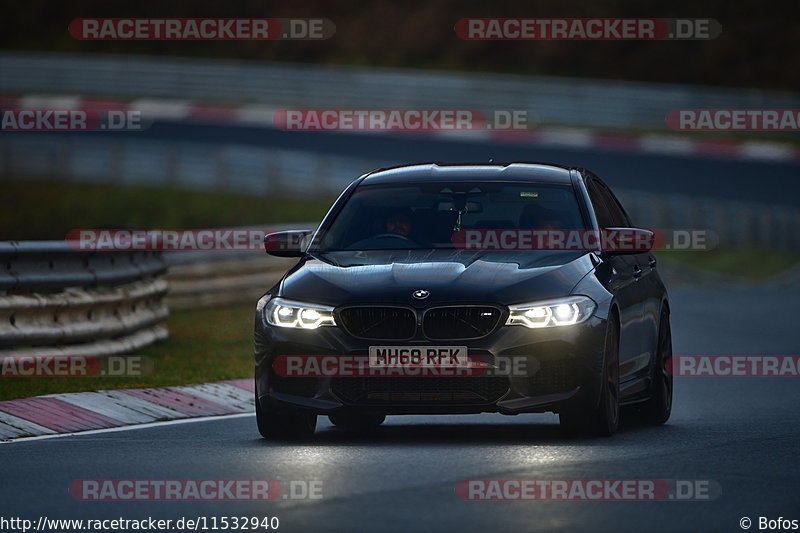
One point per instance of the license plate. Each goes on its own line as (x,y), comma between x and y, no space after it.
(401,356)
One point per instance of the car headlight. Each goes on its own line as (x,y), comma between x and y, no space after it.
(561,312)
(290,314)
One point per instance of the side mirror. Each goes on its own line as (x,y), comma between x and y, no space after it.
(622,241)
(287,243)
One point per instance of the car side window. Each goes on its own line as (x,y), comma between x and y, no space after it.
(604,219)
(618,216)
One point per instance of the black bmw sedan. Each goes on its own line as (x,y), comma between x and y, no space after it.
(448,289)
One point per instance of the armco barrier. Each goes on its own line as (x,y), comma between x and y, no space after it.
(210,278)
(580,102)
(57,300)
(36,265)
(223,280)
(733,223)
(265,171)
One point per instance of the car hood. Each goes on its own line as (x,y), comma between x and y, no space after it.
(388,276)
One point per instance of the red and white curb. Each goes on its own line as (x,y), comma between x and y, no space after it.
(87,411)
(262,116)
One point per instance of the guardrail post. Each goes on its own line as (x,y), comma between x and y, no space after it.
(62,159)
(786,234)
(7,153)
(719,221)
(116,152)
(172,165)
(321,181)
(659,213)
(220,169)
(273,176)
(794,224)
(750,218)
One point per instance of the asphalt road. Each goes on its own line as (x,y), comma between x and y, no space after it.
(741,433)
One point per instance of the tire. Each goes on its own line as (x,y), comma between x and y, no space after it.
(280,424)
(601,420)
(658,408)
(356,422)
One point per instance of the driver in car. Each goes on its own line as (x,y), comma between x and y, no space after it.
(398,227)
(399,223)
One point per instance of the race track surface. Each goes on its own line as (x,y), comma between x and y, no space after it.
(741,433)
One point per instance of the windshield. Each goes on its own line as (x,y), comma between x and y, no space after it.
(431,214)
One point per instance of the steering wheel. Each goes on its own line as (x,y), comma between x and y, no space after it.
(392,236)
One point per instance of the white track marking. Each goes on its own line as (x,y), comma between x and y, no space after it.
(134,427)
(13,427)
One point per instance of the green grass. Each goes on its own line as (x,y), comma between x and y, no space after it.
(48,210)
(744,263)
(204,345)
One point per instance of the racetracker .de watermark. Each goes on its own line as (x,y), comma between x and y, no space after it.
(195,489)
(379,119)
(734,119)
(201,29)
(72,120)
(587,29)
(610,239)
(167,240)
(587,489)
(402,120)
(735,366)
(74,366)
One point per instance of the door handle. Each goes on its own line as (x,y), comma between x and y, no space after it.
(637,272)
(653,263)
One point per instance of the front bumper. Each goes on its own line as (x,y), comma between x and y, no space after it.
(544,369)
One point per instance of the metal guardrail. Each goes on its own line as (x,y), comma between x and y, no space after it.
(57,300)
(36,265)
(730,223)
(580,102)
(264,171)
(209,278)
(224,280)
(185,164)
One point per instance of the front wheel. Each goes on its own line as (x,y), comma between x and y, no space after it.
(601,420)
(282,424)
(658,408)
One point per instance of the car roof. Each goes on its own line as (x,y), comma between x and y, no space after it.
(519,171)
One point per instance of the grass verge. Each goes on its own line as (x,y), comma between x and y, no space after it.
(744,263)
(204,345)
(48,210)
